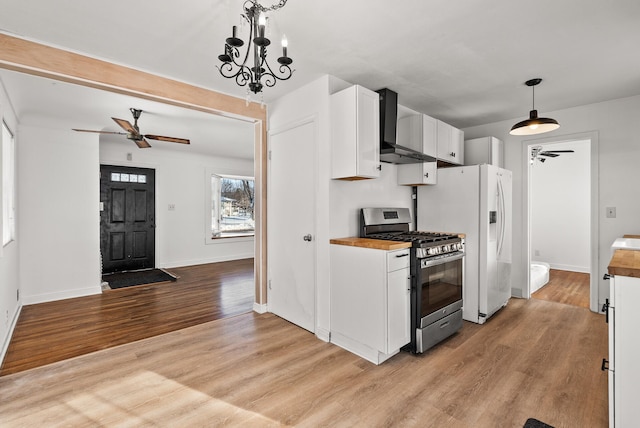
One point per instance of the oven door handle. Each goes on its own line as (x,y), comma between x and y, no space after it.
(429,263)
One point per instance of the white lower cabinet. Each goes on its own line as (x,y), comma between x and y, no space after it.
(370,301)
(624,351)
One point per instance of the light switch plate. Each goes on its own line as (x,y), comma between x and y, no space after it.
(611,212)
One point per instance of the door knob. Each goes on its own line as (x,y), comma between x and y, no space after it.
(307,237)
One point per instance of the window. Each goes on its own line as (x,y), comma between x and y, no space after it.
(8,185)
(232,204)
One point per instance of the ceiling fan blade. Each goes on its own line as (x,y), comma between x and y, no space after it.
(142,143)
(99,132)
(558,151)
(126,125)
(168,139)
(551,155)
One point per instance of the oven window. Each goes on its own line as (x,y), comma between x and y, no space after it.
(441,286)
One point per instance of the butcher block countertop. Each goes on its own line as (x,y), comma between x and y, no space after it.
(625,263)
(376,244)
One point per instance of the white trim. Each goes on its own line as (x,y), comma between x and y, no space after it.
(260,308)
(323,334)
(60,295)
(12,327)
(593,138)
(193,262)
(580,269)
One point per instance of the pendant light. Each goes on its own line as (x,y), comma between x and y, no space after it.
(535,124)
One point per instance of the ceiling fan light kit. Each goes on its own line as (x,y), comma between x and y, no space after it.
(534,125)
(260,74)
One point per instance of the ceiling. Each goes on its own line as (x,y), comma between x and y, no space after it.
(465,64)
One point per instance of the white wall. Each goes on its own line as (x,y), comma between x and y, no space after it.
(58,215)
(9,284)
(619,154)
(347,197)
(181,180)
(560,198)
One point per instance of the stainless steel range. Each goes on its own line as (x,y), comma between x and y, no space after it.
(437,274)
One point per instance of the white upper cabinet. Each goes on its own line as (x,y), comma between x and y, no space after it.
(450,144)
(483,150)
(355,134)
(420,133)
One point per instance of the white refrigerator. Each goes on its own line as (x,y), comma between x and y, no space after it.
(474,200)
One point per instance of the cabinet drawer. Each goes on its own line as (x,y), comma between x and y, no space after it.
(397,260)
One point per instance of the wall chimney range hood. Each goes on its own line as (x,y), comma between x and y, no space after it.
(391,152)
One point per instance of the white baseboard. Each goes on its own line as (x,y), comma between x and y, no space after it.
(59,295)
(260,308)
(7,339)
(516,292)
(570,268)
(323,334)
(194,262)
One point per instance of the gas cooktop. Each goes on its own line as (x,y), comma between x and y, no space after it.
(415,237)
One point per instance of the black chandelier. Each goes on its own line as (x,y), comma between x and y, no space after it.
(261,73)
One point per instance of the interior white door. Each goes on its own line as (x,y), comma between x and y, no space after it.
(291,220)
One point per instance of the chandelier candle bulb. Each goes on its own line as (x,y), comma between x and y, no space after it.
(262,22)
(285,43)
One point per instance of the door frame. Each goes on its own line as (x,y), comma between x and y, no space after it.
(25,56)
(593,137)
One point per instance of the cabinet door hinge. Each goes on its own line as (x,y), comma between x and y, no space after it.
(269,155)
(269,284)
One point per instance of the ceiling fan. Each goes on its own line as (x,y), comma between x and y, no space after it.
(537,151)
(133,132)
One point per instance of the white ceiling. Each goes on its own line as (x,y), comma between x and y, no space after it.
(461,62)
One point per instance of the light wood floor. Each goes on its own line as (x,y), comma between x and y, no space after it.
(50,332)
(532,359)
(570,288)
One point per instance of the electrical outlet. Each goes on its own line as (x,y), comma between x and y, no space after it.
(611,212)
(172,207)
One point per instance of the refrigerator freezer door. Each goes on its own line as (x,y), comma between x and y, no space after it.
(498,284)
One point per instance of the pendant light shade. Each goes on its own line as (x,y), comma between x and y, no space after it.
(534,125)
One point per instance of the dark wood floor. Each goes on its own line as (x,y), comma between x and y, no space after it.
(570,288)
(55,331)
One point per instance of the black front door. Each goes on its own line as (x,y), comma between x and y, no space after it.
(127,218)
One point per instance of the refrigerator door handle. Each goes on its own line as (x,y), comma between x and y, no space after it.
(502,214)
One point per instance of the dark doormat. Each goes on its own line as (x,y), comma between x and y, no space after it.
(534,423)
(137,277)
